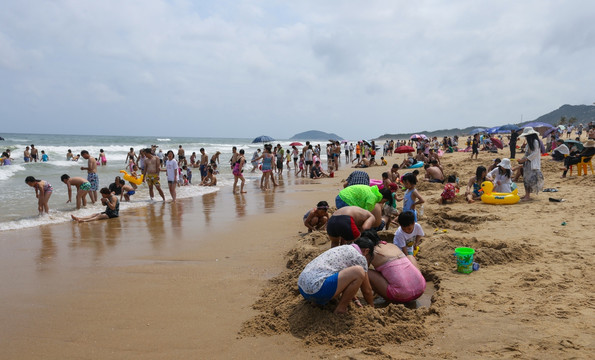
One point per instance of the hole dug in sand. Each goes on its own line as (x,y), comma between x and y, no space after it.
(283,310)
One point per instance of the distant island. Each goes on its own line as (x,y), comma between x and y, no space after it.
(565,115)
(315,135)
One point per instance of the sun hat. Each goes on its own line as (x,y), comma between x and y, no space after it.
(528,131)
(505,163)
(590,143)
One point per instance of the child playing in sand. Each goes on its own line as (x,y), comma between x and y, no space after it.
(316,218)
(112,207)
(82,189)
(409,234)
(43,191)
(474,191)
(411,198)
(450,190)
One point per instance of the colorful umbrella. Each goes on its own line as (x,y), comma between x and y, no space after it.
(477,131)
(579,145)
(497,142)
(296,144)
(508,128)
(416,137)
(404,149)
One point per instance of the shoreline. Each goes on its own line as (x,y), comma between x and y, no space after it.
(186,287)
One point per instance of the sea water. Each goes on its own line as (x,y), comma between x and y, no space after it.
(18,205)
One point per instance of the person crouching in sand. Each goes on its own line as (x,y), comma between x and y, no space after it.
(316,218)
(339,273)
(112,208)
(347,223)
(395,276)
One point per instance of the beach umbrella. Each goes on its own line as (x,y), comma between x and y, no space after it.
(549,131)
(262,139)
(416,137)
(497,142)
(540,127)
(508,128)
(296,143)
(570,143)
(561,127)
(404,149)
(477,131)
(493,130)
(344,141)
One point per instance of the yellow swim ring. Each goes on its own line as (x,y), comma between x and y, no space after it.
(132,179)
(490,197)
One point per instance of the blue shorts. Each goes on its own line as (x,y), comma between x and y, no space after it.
(94,180)
(326,292)
(131,192)
(339,202)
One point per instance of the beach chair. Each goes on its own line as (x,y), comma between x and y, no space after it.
(582,166)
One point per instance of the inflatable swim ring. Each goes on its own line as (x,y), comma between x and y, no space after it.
(416,165)
(490,197)
(132,179)
(377,183)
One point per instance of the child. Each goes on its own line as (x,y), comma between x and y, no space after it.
(211,179)
(474,191)
(82,189)
(450,190)
(409,234)
(126,191)
(112,208)
(316,218)
(317,171)
(386,181)
(500,176)
(188,173)
(102,157)
(411,198)
(288,158)
(383,161)
(44,156)
(301,166)
(43,191)
(171,169)
(389,206)
(185,180)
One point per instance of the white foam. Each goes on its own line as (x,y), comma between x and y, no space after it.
(141,199)
(165,139)
(8,171)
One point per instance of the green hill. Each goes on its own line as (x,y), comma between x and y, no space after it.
(315,135)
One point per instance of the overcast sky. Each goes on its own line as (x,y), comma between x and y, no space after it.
(245,68)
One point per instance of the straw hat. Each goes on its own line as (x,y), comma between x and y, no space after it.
(590,143)
(505,164)
(528,131)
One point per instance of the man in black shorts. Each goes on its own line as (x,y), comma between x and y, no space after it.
(347,223)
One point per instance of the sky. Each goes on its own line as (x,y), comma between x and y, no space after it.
(237,68)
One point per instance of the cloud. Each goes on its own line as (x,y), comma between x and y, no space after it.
(355,69)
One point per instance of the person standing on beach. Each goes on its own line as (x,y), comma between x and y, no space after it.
(234,157)
(237,172)
(151,172)
(204,161)
(532,176)
(181,155)
(130,156)
(475,146)
(34,153)
(171,169)
(91,174)
(82,189)
(43,191)
(513,138)
(254,160)
(309,159)
(26,155)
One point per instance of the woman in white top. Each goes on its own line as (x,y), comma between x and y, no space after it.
(500,176)
(340,271)
(532,176)
(171,169)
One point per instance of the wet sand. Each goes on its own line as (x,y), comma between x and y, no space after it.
(213,277)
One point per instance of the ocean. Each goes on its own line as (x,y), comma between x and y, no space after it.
(18,203)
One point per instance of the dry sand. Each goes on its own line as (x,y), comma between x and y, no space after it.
(215,277)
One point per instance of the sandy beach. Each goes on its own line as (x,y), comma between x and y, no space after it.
(214,277)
